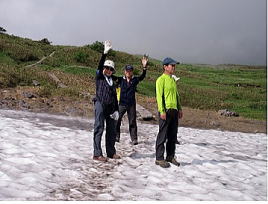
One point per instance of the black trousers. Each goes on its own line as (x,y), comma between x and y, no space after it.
(168,130)
(131,114)
(100,117)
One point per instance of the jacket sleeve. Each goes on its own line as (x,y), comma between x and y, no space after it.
(142,76)
(115,78)
(100,67)
(160,96)
(178,101)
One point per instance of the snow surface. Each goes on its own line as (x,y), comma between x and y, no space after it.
(47,157)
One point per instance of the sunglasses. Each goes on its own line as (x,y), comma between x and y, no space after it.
(109,68)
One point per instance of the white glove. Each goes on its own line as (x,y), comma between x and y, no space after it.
(115,115)
(107,46)
(144,60)
(175,77)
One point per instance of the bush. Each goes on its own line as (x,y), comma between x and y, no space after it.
(45,41)
(45,91)
(99,47)
(2,30)
(81,57)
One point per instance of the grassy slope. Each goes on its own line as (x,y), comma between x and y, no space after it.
(238,88)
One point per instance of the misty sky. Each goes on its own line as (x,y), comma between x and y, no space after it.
(191,31)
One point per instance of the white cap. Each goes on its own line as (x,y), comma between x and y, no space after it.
(109,63)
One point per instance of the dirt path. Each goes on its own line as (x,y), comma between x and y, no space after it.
(41,60)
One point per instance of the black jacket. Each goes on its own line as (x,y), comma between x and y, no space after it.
(105,93)
(128,89)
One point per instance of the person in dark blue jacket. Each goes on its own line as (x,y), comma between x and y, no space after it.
(106,108)
(127,101)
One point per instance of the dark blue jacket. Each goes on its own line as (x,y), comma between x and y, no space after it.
(105,93)
(128,89)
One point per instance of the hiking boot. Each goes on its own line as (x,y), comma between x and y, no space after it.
(162,163)
(134,142)
(100,158)
(115,156)
(173,161)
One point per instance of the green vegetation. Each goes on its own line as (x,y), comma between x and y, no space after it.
(235,87)
(241,89)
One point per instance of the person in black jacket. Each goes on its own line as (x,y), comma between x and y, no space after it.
(106,108)
(127,102)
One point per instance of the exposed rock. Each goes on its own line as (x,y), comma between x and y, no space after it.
(29,95)
(22,104)
(214,124)
(36,83)
(228,113)
(143,113)
(56,80)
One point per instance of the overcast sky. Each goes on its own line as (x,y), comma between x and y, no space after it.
(191,31)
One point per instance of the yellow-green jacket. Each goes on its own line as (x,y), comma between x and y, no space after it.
(167,95)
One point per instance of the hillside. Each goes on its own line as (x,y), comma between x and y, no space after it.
(63,82)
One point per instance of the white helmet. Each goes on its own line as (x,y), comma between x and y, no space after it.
(109,63)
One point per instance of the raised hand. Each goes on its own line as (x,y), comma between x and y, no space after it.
(107,46)
(144,61)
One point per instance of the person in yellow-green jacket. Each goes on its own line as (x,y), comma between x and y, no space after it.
(170,111)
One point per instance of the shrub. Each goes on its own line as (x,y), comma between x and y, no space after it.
(99,47)
(45,41)
(81,57)
(2,30)
(45,91)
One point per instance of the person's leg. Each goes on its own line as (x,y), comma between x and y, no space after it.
(172,135)
(110,137)
(122,111)
(160,143)
(98,129)
(131,113)
(161,138)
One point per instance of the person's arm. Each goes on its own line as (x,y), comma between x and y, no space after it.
(107,47)
(100,67)
(180,114)
(160,98)
(178,102)
(115,78)
(144,62)
(142,76)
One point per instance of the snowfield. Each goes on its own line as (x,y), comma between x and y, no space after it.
(48,157)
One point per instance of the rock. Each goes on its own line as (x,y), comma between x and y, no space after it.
(61,85)
(214,124)
(22,104)
(29,95)
(36,83)
(56,80)
(228,113)
(144,114)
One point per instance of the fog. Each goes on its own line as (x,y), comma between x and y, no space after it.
(191,31)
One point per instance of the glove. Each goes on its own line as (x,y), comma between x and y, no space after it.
(115,115)
(144,60)
(175,77)
(107,46)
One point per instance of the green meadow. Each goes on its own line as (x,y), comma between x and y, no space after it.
(239,88)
